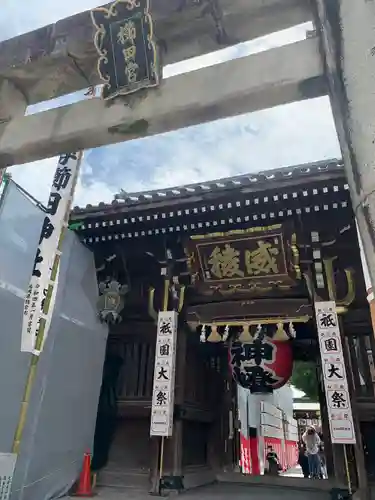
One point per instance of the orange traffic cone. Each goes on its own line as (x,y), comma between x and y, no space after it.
(84,484)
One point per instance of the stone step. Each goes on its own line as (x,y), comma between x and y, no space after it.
(124,479)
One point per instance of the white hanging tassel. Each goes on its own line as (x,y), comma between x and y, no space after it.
(202,338)
(258,332)
(226,333)
(292,331)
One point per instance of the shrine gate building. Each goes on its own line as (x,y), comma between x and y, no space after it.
(240,259)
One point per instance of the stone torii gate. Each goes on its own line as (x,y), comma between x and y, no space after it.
(339,61)
(60,59)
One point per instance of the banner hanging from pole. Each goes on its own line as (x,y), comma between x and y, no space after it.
(339,408)
(38,305)
(164,375)
(4,180)
(2,174)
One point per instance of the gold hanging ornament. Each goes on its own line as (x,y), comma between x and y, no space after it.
(214,335)
(245,336)
(280,334)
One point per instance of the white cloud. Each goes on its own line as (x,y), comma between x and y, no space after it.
(261,44)
(287,135)
(37,178)
(20,17)
(284,136)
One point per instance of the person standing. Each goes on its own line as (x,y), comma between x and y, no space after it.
(312,443)
(303,461)
(273,462)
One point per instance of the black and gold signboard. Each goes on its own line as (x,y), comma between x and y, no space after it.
(124,40)
(256,259)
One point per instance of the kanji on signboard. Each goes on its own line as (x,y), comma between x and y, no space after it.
(163,374)
(161,398)
(338,400)
(165,327)
(53,203)
(330,344)
(327,319)
(335,371)
(164,350)
(47,230)
(38,260)
(62,178)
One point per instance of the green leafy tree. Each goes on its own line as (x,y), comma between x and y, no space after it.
(304,378)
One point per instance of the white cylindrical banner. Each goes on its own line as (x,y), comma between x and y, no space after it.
(47,254)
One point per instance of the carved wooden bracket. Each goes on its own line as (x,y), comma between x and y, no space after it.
(173,297)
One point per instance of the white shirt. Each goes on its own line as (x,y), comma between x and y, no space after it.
(312,442)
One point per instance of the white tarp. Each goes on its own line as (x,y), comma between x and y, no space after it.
(63,406)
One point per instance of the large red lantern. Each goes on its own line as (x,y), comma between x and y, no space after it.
(261,365)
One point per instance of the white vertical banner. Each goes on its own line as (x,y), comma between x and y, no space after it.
(334,374)
(7,466)
(164,375)
(3,182)
(48,251)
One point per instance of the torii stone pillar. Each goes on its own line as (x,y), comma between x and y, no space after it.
(366,275)
(347,35)
(13,103)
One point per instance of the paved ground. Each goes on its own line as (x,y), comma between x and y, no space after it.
(221,492)
(295,472)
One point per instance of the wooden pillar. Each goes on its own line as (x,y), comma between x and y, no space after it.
(358,447)
(371,302)
(332,464)
(154,466)
(172,467)
(176,448)
(226,435)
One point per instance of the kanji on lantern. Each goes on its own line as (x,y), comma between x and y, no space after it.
(262,365)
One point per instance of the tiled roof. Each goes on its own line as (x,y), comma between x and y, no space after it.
(265,179)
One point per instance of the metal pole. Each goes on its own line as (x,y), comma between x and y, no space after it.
(347,471)
(161,459)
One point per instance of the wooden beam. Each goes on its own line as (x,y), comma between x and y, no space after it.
(278,76)
(60,58)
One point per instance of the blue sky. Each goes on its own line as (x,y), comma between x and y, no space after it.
(287,135)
